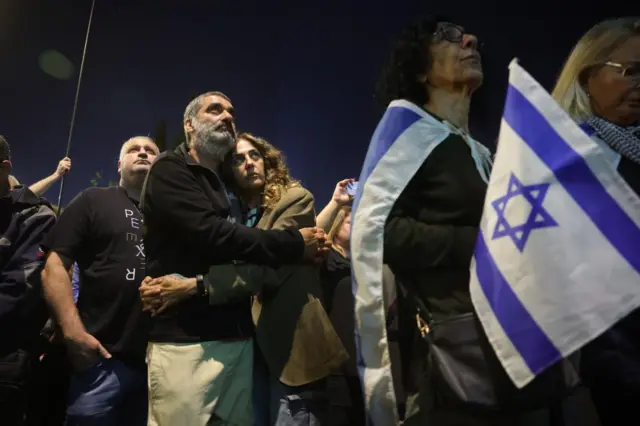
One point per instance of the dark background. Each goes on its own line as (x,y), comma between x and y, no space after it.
(300,73)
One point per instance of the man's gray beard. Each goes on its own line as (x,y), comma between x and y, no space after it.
(211,142)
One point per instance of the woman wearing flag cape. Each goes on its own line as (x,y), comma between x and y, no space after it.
(599,87)
(418,209)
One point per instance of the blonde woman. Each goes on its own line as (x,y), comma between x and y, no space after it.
(599,87)
(346,404)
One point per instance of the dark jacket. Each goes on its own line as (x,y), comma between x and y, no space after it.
(187,228)
(431,231)
(24,221)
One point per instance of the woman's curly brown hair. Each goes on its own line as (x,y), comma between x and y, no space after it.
(409,60)
(277,177)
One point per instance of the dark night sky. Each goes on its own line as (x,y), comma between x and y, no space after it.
(301,76)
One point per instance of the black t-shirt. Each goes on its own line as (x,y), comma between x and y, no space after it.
(102,231)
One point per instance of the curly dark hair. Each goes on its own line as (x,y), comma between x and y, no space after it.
(277,177)
(408,60)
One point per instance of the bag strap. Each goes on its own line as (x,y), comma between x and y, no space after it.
(424,319)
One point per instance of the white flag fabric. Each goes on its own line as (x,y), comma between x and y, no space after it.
(403,140)
(557,260)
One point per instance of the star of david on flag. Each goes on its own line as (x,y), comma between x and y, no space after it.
(538,217)
(556,262)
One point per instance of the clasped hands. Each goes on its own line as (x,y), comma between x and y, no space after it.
(159,294)
(316,245)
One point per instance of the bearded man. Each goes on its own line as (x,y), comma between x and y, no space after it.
(200,356)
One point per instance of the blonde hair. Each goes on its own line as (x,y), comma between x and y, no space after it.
(337,223)
(592,49)
(13,181)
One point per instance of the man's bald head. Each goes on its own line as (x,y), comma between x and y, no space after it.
(136,157)
(135,141)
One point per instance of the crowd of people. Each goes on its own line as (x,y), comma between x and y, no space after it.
(203,289)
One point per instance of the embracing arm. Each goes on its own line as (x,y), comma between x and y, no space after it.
(173,195)
(233,281)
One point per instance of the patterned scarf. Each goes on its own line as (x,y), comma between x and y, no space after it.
(623,140)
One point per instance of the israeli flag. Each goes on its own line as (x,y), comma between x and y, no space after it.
(557,260)
(404,138)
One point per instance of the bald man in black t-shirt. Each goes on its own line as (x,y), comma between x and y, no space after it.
(105,335)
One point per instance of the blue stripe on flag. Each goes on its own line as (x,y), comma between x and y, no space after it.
(535,347)
(396,121)
(574,175)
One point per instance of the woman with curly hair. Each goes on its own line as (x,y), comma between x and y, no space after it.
(259,187)
(430,233)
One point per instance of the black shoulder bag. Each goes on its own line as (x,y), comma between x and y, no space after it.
(460,370)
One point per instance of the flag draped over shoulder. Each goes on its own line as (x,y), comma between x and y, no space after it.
(403,140)
(557,260)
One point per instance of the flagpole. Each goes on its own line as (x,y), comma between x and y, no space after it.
(75,102)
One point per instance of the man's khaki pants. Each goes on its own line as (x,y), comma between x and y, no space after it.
(200,384)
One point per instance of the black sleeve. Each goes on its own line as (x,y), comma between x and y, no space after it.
(429,225)
(173,196)
(68,235)
(412,246)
